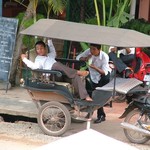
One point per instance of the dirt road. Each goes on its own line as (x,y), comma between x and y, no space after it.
(27,136)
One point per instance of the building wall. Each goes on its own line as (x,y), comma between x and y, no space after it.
(144,9)
(11,8)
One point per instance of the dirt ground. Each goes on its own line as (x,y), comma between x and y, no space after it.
(28,136)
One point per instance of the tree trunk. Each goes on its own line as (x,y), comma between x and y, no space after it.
(17,51)
(82,13)
(133,9)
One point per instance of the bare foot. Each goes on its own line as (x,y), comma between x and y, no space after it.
(82,73)
(89,99)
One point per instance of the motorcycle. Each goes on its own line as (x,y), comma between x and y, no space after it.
(140,66)
(136,125)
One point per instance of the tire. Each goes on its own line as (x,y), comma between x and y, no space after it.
(54,119)
(134,136)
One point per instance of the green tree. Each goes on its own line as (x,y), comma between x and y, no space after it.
(50,5)
(113,13)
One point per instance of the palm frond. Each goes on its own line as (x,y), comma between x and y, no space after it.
(57,5)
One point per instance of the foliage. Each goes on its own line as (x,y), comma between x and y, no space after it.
(121,15)
(57,5)
(140,25)
(116,12)
(112,13)
(26,24)
(91,21)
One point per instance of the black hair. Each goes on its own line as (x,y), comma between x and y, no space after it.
(98,46)
(119,48)
(40,43)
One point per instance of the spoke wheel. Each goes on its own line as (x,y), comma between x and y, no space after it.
(134,136)
(54,118)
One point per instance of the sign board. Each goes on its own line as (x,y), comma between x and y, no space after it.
(8,30)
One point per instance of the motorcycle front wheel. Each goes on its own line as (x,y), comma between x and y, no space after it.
(135,136)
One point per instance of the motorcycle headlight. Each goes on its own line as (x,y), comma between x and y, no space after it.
(147,78)
(147,83)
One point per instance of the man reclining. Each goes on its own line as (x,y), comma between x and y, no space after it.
(47,61)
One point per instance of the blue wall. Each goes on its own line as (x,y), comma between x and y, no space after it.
(0,7)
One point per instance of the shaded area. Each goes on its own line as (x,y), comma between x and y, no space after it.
(12,118)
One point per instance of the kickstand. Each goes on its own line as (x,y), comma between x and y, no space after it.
(88,123)
(89,119)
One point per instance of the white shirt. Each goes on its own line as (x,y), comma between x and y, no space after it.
(123,51)
(100,61)
(43,62)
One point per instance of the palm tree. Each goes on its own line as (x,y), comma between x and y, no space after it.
(56,5)
(133,8)
(19,38)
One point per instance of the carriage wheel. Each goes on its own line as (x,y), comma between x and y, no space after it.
(54,118)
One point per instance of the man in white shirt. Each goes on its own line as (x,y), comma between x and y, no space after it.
(122,58)
(47,61)
(99,71)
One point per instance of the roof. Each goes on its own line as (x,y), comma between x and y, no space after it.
(79,32)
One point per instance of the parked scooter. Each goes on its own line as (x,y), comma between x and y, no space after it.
(140,65)
(136,125)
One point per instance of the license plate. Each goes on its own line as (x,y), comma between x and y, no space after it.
(147,78)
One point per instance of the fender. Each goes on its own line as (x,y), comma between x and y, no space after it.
(130,107)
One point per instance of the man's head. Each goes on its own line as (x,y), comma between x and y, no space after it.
(40,48)
(95,49)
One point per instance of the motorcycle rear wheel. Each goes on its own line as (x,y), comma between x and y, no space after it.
(134,136)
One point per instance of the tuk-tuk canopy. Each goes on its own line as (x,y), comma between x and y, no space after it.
(79,32)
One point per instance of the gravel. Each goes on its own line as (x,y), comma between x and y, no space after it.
(25,130)
(22,136)
(28,136)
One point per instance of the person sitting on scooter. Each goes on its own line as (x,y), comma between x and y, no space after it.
(122,58)
(48,62)
(99,71)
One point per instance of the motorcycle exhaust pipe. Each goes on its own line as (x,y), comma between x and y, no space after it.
(132,127)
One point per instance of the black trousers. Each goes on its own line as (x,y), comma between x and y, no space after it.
(122,62)
(103,81)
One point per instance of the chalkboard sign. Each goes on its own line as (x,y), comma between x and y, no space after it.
(8,30)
